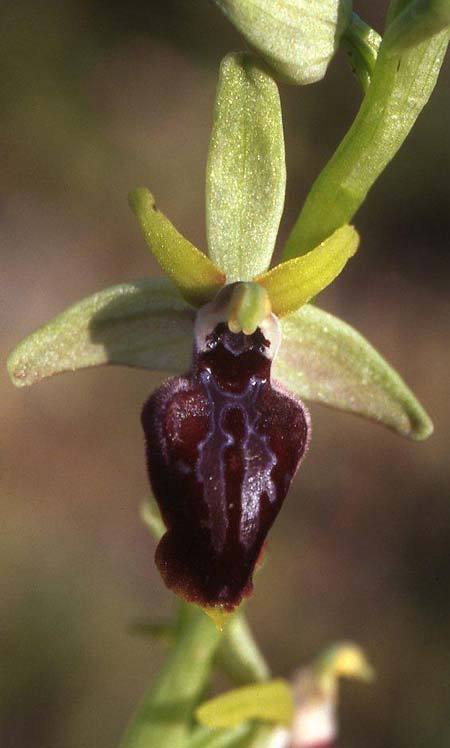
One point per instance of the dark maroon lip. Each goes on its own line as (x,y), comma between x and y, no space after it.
(223,444)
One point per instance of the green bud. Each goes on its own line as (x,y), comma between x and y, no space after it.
(418,21)
(296,38)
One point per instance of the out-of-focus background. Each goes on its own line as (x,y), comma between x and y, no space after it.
(97,98)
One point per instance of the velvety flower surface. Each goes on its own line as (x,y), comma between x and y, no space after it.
(223,444)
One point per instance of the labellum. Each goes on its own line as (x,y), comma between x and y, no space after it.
(223,444)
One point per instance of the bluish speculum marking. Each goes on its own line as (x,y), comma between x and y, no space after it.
(223,444)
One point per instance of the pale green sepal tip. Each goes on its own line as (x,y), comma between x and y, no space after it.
(323,359)
(246,170)
(293,283)
(297,39)
(417,22)
(143,324)
(195,276)
(271,701)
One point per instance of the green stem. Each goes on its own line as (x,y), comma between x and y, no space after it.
(400,87)
(239,656)
(163,719)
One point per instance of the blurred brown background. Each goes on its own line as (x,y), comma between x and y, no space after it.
(96,98)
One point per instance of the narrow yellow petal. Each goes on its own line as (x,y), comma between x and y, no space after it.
(196,277)
(293,283)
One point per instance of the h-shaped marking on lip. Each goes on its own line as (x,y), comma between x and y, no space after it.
(259,460)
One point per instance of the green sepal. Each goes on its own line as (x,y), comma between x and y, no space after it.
(144,323)
(397,94)
(267,702)
(417,22)
(196,277)
(325,360)
(361,43)
(292,284)
(246,172)
(297,39)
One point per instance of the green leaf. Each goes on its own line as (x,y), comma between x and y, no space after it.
(144,324)
(361,43)
(297,38)
(325,360)
(399,90)
(164,717)
(420,20)
(293,283)
(246,173)
(195,276)
(268,702)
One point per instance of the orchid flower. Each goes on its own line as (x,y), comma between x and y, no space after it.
(225,439)
(302,713)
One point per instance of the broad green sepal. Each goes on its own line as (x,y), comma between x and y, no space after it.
(398,91)
(361,43)
(292,284)
(297,38)
(246,172)
(195,276)
(418,21)
(267,702)
(144,324)
(325,360)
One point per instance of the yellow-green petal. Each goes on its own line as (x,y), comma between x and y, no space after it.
(297,38)
(246,172)
(321,358)
(267,702)
(195,276)
(292,284)
(145,324)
